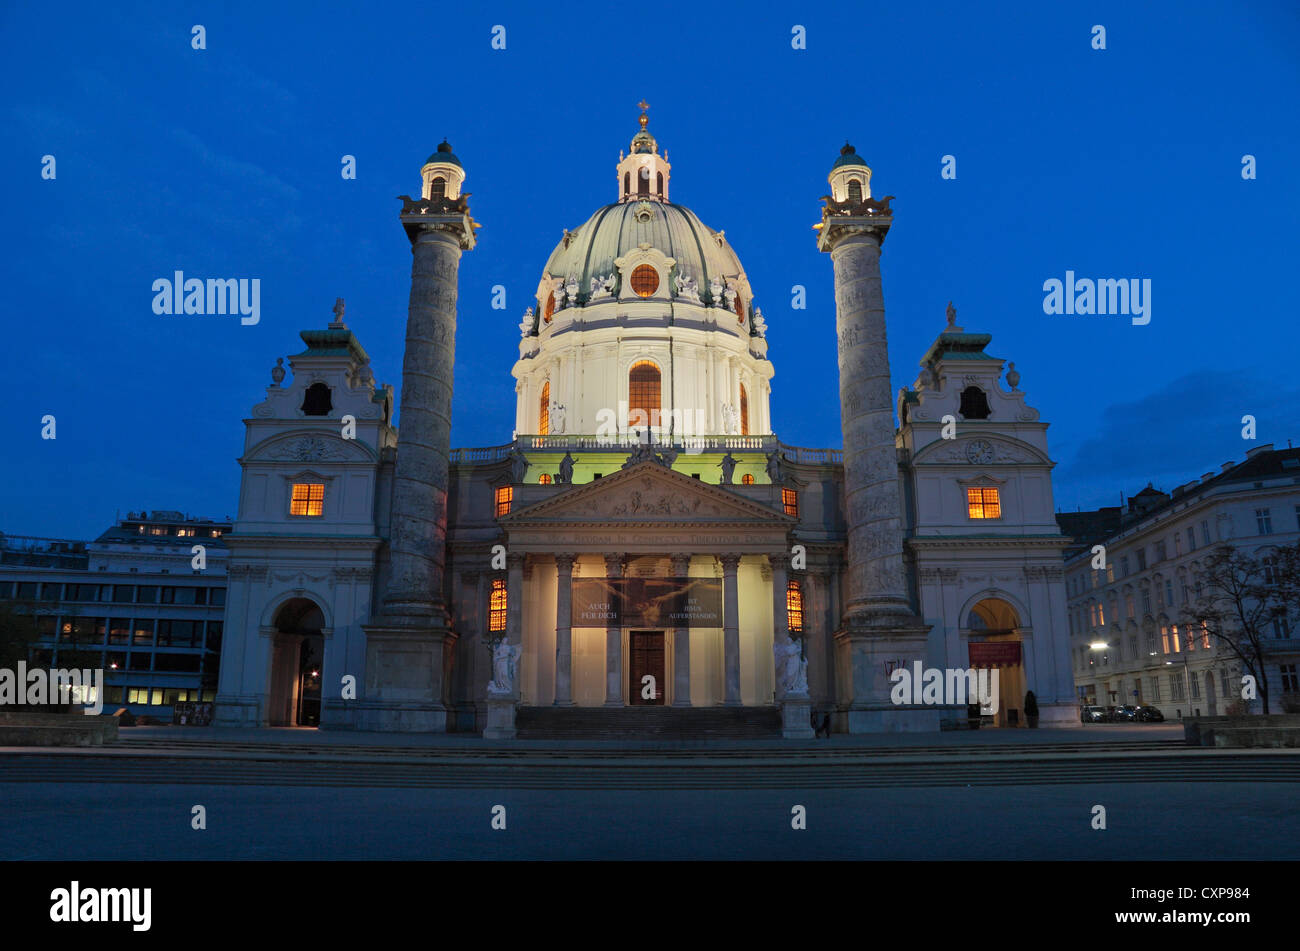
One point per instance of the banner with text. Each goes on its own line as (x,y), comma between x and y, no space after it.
(647,602)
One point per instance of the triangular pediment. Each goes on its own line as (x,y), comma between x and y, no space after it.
(647,493)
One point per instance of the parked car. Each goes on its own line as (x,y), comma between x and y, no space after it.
(1122,714)
(1092,714)
(1148,715)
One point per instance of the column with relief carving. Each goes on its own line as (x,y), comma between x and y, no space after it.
(409,639)
(878,621)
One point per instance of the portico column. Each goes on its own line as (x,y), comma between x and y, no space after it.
(780,611)
(614,642)
(563,632)
(515,608)
(730,632)
(681,566)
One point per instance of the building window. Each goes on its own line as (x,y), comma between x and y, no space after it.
(1264,521)
(1164,639)
(627,184)
(504,496)
(497,606)
(316,401)
(438,188)
(1133,646)
(548,310)
(974,403)
(855,190)
(185,532)
(1130,607)
(659,182)
(1290,679)
(544,410)
(1173,636)
(1281,628)
(747,479)
(645,280)
(643,393)
(794,606)
(1169,592)
(983,503)
(790,499)
(1161,551)
(1205,533)
(308,499)
(1196,686)
(1225,683)
(1141,554)
(740,309)
(545,478)
(744,411)
(1155,689)
(1191,539)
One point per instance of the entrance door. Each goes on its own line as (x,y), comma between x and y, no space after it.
(647,661)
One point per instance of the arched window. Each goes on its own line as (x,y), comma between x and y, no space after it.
(497,606)
(740,309)
(643,183)
(643,394)
(974,403)
(549,310)
(645,280)
(316,401)
(744,411)
(855,190)
(544,410)
(627,184)
(659,182)
(438,187)
(747,479)
(794,605)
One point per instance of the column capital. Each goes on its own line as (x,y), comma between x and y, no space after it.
(564,561)
(515,559)
(614,563)
(730,562)
(681,564)
(836,229)
(780,561)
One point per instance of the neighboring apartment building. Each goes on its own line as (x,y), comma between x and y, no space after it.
(1128,642)
(133,595)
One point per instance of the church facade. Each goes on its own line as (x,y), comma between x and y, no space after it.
(644,539)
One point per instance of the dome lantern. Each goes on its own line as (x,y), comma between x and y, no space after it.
(442,174)
(850,178)
(643,173)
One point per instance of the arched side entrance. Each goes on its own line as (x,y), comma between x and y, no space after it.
(297,659)
(993,640)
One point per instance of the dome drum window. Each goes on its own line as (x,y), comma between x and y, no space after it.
(645,280)
(549,309)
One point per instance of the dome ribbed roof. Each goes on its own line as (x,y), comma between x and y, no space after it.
(614,230)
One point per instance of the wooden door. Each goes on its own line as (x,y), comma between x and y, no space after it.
(647,660)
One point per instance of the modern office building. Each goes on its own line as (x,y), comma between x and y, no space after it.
(132,601)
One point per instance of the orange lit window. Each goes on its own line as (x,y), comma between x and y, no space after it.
(643,393)
(545,478)
(1173,631)
(1205,636)
(740,309)
(790,499)
(645,280)
(983,503)
(744,411)
(544,410)
(497,606)
(308,499)
(505,495)
(549,310)
(747,479)
(855,190)
(794,606)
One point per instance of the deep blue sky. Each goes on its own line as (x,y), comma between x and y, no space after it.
(225,163)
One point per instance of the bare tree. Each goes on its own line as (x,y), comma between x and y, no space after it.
(1235,604)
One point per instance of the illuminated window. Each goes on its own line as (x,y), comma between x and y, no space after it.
(645,280)
(545,478)
(544,411)
(747,479)
(643,393)
(983,503)
(794,606)
(185,532)
(549,310)
(744,411)
(497,606)
(1164,639)
(659,181)
(308,499)
(505,495)
(740,309)
(1173,633)
(627,183)
(790,499)
(438,188)
(855,190)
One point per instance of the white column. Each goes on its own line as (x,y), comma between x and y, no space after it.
(730,632)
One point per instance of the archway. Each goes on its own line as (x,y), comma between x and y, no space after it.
(993,641)
(297,658)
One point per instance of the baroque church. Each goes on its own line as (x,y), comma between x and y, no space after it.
(644,540)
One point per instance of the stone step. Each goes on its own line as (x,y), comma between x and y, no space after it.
(648,722)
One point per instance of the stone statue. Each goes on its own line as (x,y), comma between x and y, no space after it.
(505,665)
(565,475)
(595,285)
(715,291)
(952,316)
(760,325)
(1013,376)
(688,288)
(557,417)
(277,372)
(337,322)
(526,325)
(642,453)
(928,378)
(774,467)
(558,294)
(571,288)
(667,457)
(518,465)
(366,376)
(730,419)
(791,669)
(728,465)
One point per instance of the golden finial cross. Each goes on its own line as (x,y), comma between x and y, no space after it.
(643,106)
